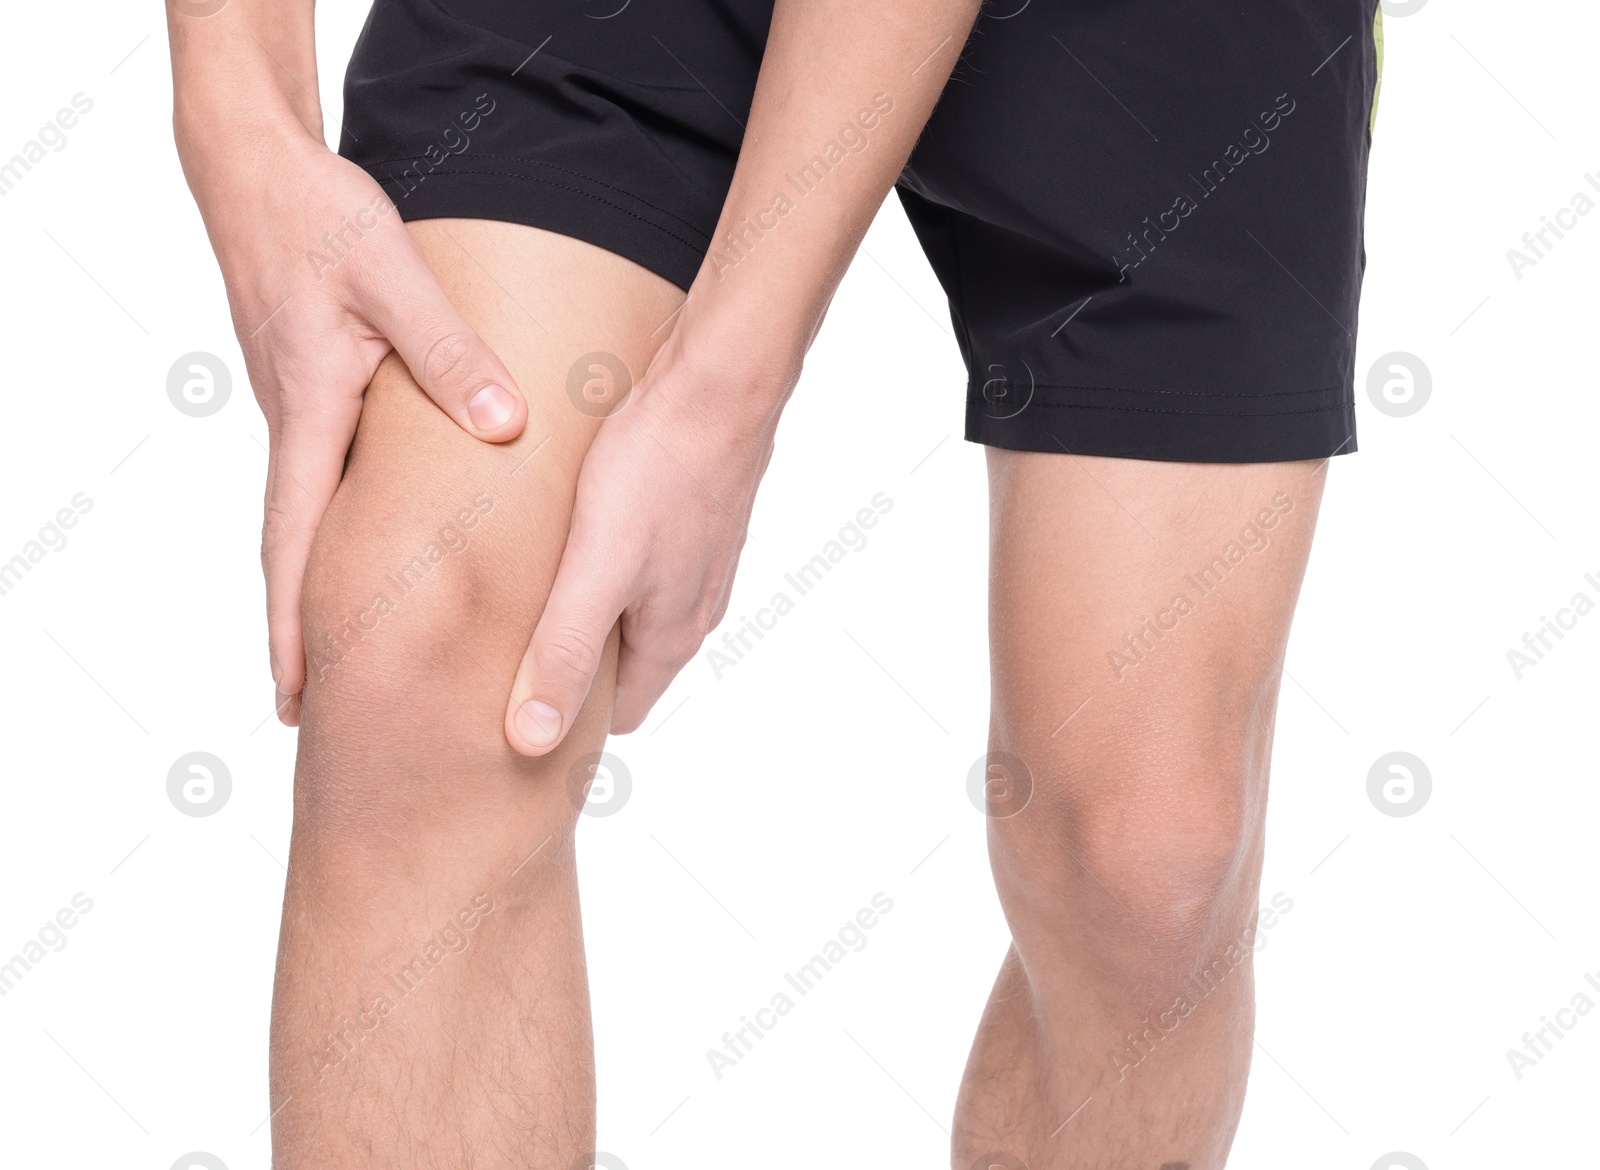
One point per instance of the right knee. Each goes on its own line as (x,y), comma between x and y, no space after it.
(394,622)
(414,628)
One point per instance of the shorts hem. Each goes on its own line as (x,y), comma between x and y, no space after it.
(1207,428)
(605,216)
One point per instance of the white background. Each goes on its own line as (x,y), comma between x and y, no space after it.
(1418,951)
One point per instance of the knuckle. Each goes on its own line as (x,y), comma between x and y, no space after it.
(571,655)
(447,358)
(683,645)
(699,628)
(280,528)
(673,641)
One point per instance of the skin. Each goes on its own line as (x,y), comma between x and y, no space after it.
(246,105)
(1136,861)
(577,565)
(663,562)
(1131,867)
(248,125)
(409,804)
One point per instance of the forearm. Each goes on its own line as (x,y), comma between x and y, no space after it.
(247,69)
(247,124)
(844,91)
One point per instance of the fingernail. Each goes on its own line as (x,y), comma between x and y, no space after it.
(538,723)
(277,671)
(490,407)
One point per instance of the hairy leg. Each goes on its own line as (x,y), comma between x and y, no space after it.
(1139,612)
(431,1005)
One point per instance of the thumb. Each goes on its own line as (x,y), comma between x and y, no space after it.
(563,656)
(452,364)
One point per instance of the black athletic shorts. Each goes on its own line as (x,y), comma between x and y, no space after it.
(1146,214)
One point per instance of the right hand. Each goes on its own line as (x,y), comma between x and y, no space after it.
(323,281)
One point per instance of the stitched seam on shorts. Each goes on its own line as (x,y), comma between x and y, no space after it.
(535,162)
(971,388)
(696,248)
(1157,410)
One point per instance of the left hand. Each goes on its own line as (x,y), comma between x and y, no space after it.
(661,514)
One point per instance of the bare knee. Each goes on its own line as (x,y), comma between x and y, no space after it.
(416,614)
(397,615)
(1165,869)
(1149,857)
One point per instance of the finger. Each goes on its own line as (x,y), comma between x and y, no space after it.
(643,676)
(446,356)
(307,461)
(563,655)
(648,661)
(652,656)
(288,708)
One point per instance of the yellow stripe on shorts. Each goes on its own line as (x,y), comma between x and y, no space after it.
(1377,86)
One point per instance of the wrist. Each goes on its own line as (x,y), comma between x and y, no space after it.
(740,371)
(248,67)
(226,159)
(209,128)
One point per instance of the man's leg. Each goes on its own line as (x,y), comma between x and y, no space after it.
(1139,614)
(431,1006)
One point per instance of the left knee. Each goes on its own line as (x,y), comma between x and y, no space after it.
(1152,856)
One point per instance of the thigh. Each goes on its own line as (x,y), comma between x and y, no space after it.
(1139,612)
(435,557)
(561,313)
